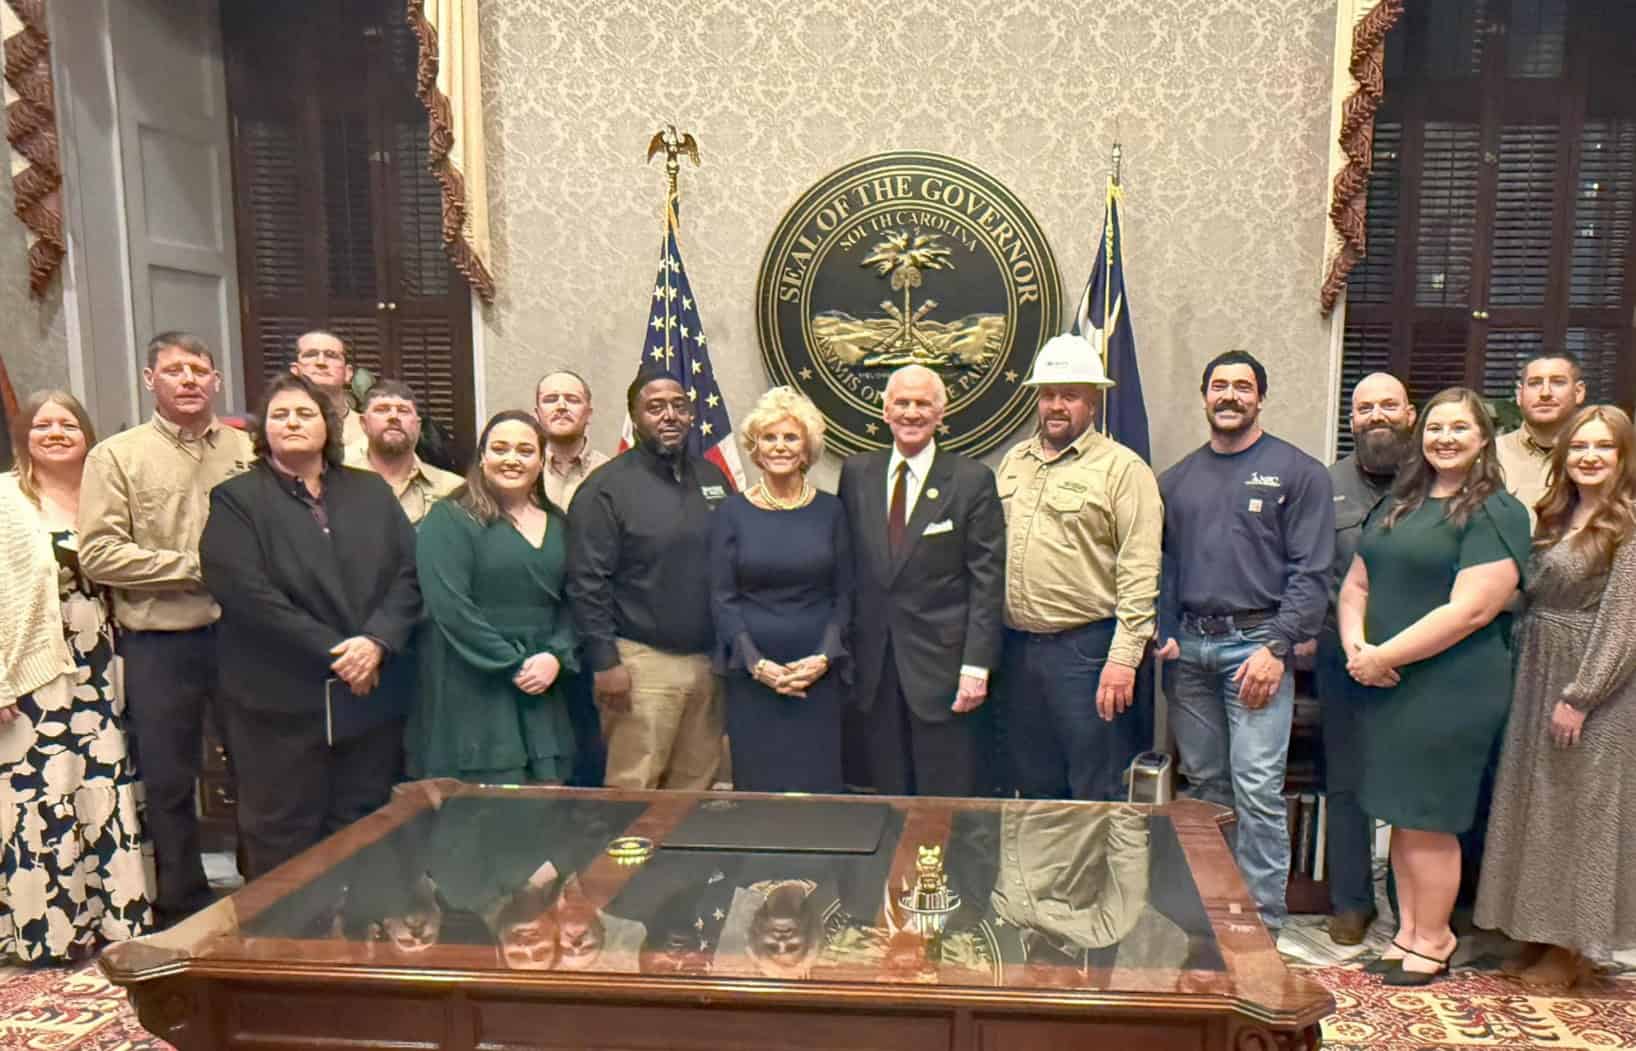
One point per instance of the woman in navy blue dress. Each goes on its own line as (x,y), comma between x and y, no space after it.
(781,594)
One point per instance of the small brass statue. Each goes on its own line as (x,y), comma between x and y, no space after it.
(930,903)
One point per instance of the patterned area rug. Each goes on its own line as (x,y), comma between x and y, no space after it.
(60,1010)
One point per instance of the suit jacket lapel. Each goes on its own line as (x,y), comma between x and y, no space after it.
(931,506)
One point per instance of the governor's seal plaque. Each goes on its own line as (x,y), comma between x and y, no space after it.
(908,259)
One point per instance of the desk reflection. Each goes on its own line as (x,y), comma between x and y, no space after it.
(1022,893)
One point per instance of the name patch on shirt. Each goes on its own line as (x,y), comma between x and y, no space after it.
(1264,481)
(713,494)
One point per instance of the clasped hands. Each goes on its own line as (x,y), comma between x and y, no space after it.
(537,674)
(358,663)
(1366,666)
(792,679)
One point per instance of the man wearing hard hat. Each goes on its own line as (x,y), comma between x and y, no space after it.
(1083,525)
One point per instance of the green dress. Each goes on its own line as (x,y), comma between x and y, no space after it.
(492,600)
(1427,740)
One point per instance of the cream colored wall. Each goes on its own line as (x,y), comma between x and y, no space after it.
(35,346)
(1222,106)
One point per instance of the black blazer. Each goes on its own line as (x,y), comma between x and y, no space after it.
(940,603)
(289,593)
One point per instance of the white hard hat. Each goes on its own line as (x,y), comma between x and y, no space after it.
(1070,358)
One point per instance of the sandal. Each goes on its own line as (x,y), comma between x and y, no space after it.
(1405,977)
(1385,964)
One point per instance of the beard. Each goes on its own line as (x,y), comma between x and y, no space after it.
(1383,448)
(392,443)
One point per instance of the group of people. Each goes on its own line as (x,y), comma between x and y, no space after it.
(349,615)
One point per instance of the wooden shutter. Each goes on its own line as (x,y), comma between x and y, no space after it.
(1502,206)
(339,221)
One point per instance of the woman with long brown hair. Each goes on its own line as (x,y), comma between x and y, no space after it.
(498,640)
(1420,623)
(72,873)
(1559,873)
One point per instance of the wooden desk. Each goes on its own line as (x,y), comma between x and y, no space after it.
(467,917)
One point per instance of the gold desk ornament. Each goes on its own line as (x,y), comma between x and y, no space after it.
(630,850)
(931,902)
(673,144)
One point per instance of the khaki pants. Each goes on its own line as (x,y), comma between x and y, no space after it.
(671,737)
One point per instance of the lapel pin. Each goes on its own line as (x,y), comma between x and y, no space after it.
(931,494)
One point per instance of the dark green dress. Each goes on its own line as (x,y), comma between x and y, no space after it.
(1427,740)
(492,600)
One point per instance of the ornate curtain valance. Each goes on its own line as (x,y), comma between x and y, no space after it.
(31,128)
(1359,86)
(450,87)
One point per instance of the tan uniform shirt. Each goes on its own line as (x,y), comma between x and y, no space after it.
(1083,533)
(353,438)
(143,504)
(425,486)
(562,478)
(1527,467)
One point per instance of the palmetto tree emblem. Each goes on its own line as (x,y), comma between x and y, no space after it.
(905,256)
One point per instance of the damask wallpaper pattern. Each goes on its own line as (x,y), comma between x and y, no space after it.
(1222,106)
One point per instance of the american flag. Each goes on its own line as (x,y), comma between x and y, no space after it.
(675,340)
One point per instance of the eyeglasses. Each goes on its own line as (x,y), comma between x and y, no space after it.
(327,355)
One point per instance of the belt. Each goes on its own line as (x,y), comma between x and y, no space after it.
(1225,623)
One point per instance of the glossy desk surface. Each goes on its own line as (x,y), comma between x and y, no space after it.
(1048,902)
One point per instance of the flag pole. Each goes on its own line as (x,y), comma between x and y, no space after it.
(674,144)
(1107,271)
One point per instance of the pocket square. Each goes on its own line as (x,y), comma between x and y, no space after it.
(945,526)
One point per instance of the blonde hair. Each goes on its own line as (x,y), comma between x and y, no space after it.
(1610,524)
(785,403)
(22,460)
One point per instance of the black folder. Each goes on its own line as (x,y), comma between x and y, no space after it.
(794,825)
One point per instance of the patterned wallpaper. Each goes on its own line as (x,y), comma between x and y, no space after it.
(1222,106)
(36,345)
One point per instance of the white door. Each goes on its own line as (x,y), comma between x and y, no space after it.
(176,178)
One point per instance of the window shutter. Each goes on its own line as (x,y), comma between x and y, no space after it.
(1520,257)
(1598,352)
(1367,348)
(271,192)
(1536,38)
(1604,203)
(425,346)
(1503,355)
(425,269)
(349,212)
(1450,156)
(1371,279)
(1437,357)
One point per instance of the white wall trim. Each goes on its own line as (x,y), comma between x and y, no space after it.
(1333,398)
(479,377)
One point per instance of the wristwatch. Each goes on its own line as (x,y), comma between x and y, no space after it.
(1278,648)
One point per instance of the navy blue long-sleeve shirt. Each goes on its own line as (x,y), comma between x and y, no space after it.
(1252,530)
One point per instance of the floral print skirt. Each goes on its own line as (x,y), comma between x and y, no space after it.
(74,873)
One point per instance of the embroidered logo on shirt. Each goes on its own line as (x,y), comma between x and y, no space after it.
(1265,481)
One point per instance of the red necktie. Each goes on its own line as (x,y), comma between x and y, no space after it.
(896,520)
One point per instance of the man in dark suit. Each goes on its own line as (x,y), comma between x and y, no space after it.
(929,538)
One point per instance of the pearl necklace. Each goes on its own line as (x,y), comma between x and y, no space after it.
(779,505)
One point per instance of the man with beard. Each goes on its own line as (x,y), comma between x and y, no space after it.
(321,358)
(1082,578)
(639,579)
(1249,535)
(1383,431)
(562,404)
(1550,389)
(392,426)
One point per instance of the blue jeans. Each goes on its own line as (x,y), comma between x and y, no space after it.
(1349,850)
(1059,747)
(1234,756)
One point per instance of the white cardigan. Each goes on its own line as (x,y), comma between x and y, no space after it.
(32,649)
